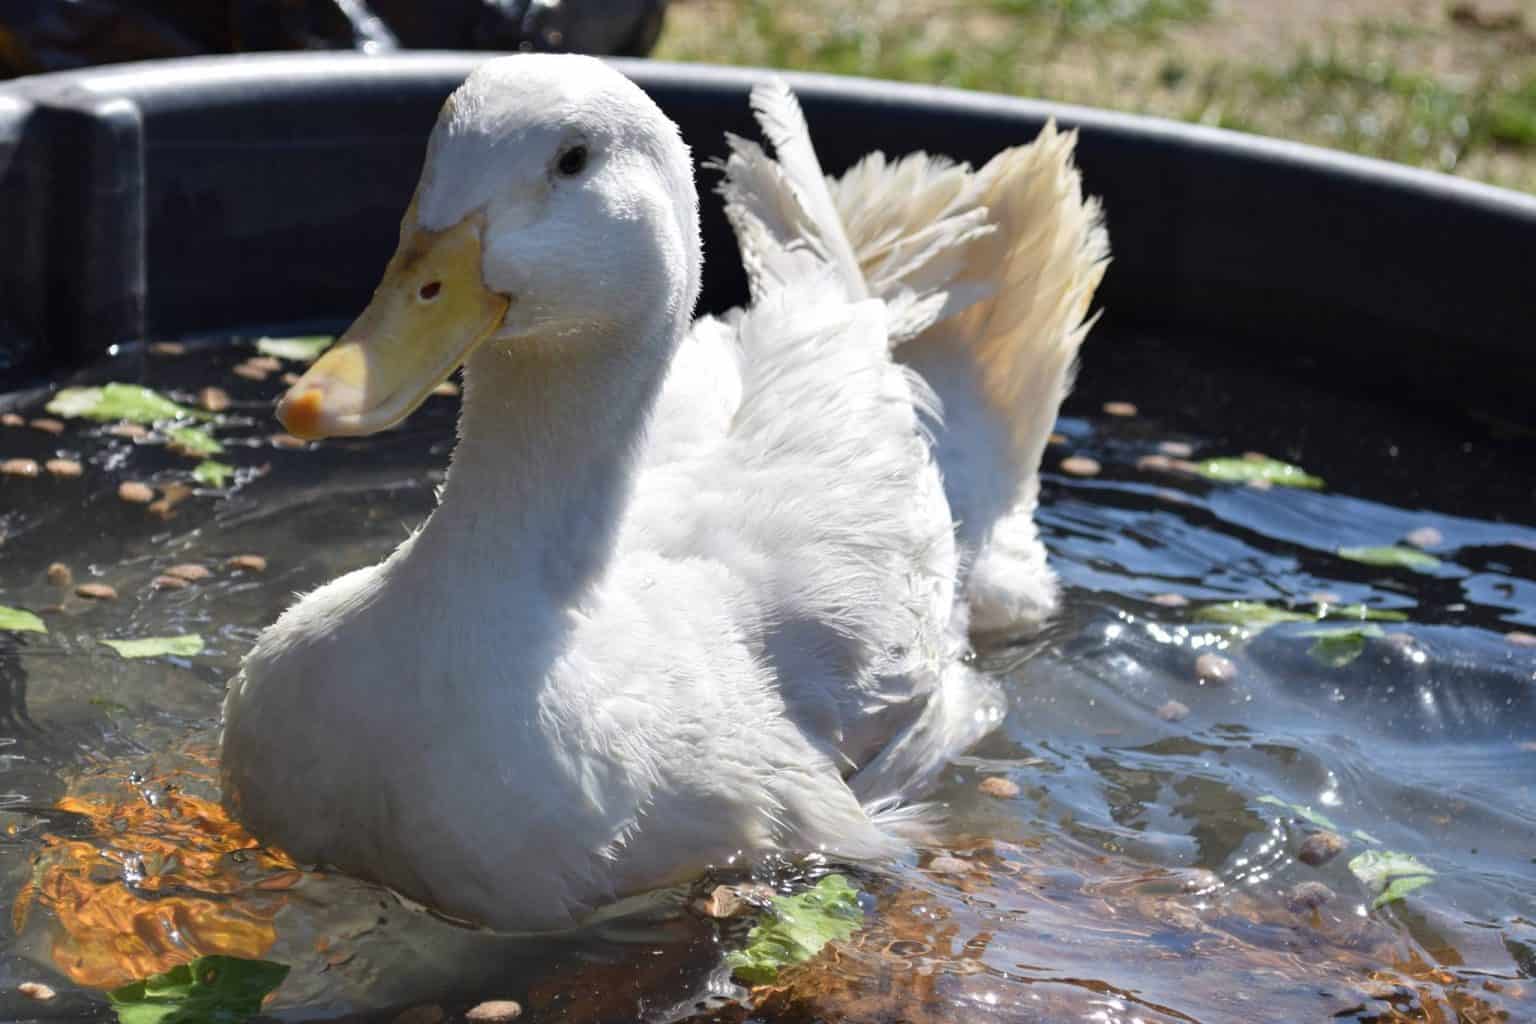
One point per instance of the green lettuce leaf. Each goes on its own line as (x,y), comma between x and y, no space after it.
(1237,470)
(1337,646)
(300,350)
(117,402)
(1254,615)
(19,620)
(209,990)
(795,929)
(194,440)
(213,474)
(1390,875)
(1393,557)
(155,646)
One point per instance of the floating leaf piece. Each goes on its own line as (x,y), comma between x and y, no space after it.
(194,441)
(1362,612)
(154,646)
(1252,615)
(300,350)
(1337,646)
(795,929)
(1243,470)
(1392,556)
(209,990)
(19,620)
(1390,875)
(1302,811)
(213,474)
(117,402)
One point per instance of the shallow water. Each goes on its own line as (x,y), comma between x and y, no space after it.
(1143,872)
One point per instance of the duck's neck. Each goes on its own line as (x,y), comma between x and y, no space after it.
(542,471)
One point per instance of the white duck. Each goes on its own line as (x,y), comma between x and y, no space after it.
(691,589)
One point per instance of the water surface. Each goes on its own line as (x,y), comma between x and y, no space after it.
(1146,869)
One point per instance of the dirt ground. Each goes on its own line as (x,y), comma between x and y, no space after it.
(1444,84)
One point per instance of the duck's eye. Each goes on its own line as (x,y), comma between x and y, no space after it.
(428,291)
(573,161)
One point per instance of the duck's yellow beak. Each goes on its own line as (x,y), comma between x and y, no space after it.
(428,314)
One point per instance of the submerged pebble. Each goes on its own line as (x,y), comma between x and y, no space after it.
(248,563)
(495,1011)
(1307,896)
(1319,848)
(1120,408)
(47,425)
(1003,789)
(20,467)
(36,990)
(135,492)
(1173,711)
(64,467)
(944,864)
(96,592)
(1215,668)
(725,901)
(1424,537)
(213,399)
(1080,465)
(60,575)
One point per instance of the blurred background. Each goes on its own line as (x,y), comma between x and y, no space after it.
(1443,84)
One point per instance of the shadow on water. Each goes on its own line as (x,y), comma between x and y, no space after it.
(1126,848)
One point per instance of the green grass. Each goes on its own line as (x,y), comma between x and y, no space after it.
(1361,87)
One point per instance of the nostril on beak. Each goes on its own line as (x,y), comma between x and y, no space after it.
(428,291)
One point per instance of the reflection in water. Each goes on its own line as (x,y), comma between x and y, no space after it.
(1145,870)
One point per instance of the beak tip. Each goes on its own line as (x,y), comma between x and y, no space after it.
(300,413)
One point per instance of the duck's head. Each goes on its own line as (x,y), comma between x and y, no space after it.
(556,213)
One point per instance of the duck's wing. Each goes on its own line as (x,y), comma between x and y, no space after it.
(989,275)
(821,500)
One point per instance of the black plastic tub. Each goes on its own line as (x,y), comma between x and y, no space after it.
(210,195)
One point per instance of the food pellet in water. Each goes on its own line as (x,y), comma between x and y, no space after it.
(248,563)
(1058,439)
(1173,711)
(64,467)
(213,399)
(290,378)
(1308,896)
(135,492)
(447,389)
(1214,668)
(10,419)
(267,364)
(1170,600)
(1154,463)
(60,575)
(1003,789)
(1120,409)
(249,372)
(170,583)
(286,441)
(47,425)
(1176,449)
(1319,848)
(495,1011)
(1080,465)
(1425,537)
(19,467)
(36,990)
(96,592)
(1520,639)
(168,348)
(189,571)
(132,431)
